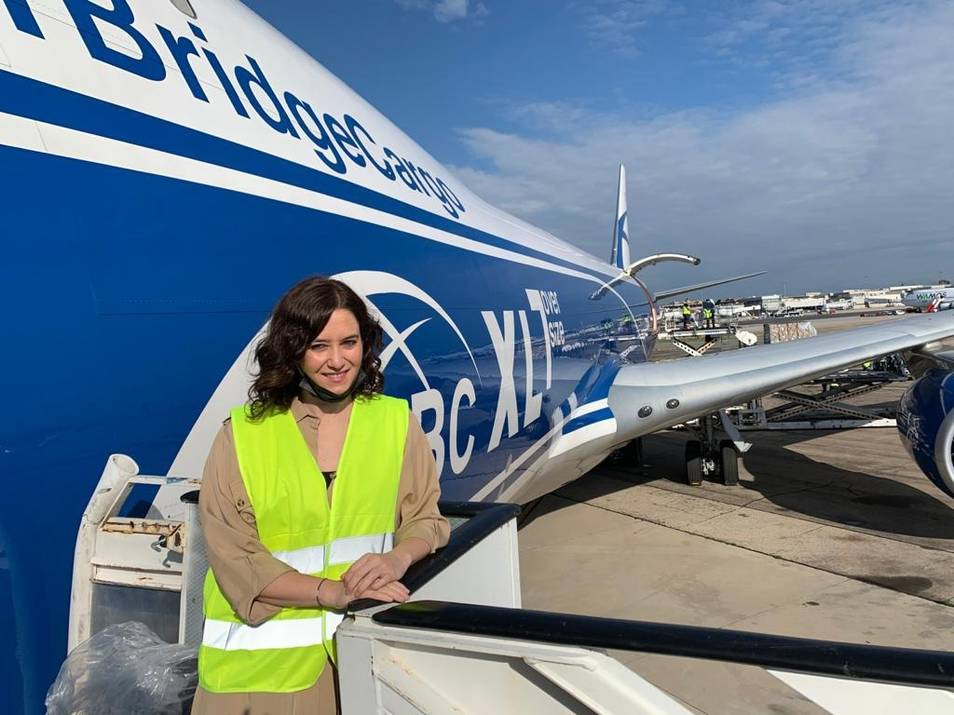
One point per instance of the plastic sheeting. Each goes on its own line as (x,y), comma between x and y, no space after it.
(125,669)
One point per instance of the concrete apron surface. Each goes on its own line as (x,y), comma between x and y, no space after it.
(821,539)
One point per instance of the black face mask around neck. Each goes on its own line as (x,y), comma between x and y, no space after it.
(309,386)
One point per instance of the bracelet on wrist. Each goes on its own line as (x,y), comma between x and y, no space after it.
(321,582)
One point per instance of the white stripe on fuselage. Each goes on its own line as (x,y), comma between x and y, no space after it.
(555,430)
(588,407)
(74,144)
(587,433)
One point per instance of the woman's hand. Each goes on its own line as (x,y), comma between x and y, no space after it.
(336,595)
(374,571)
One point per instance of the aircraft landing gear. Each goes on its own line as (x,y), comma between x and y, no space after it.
(694,467)
(729,461)
(629,455)
(709,457)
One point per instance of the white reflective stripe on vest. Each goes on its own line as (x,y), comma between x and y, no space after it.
(309,560)
(295,633)
(333,619)
(343,551)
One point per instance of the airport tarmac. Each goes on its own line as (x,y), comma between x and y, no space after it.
(830,535)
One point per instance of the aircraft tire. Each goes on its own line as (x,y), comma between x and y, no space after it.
(636,451)
(630,455)
(694,462)
(730,463)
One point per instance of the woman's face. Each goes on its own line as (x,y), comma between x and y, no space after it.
(333,359)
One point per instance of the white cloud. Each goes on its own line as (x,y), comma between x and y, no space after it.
(795,36)
(846,180)
(616,24)
(450,10)
(447,10)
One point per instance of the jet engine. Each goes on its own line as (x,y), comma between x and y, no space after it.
(926,424)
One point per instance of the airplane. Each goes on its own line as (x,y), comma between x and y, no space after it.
(929,300)
(171,167)
(620,255)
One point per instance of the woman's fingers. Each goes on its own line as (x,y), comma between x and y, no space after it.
(375,570)
(382,584)
(380,581)
(362,581)
(364,572)
(373,576)
(390,591)
(394,591)
(368,579)
(354,576)
(356,571)
(398,590)
(371,571)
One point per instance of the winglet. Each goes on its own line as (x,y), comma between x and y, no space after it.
(620,253)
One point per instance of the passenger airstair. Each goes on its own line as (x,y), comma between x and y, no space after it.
(463,644)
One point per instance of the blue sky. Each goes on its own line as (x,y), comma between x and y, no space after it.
(812,138)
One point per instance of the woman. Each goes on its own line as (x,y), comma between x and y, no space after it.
(319,491)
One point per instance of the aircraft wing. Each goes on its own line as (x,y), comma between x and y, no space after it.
(705,384)
(663,294)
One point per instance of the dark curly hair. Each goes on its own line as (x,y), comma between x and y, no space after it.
(300,315)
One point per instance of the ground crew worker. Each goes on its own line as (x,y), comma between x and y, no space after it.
(708,313)
(686,316)
(285,557)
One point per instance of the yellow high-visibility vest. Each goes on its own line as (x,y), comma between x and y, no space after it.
(287,491)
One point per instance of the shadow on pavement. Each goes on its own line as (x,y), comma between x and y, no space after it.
(782,480)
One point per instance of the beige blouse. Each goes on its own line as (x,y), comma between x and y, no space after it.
(243,566)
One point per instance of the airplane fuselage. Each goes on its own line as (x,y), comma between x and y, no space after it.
(167,178)
(925,298)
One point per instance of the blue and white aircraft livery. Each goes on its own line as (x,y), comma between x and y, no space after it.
(620,252)
(171,167)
